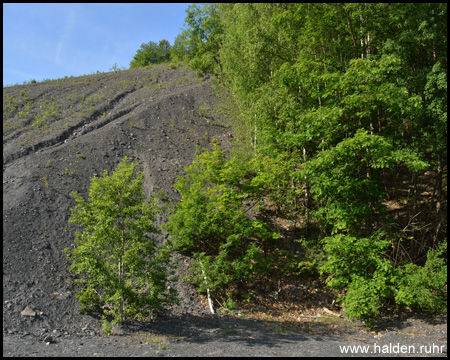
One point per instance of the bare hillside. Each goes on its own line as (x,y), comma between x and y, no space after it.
(59,134)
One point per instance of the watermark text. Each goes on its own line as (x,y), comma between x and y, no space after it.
(392,348)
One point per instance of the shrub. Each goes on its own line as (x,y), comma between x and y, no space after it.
(361,265)
(350,257)
(425,287)
(364,297)
(210,223)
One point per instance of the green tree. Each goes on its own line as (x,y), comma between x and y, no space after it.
(180,50)
(250,51)
(151,53)
(164,50)
(204,37)
(346,181)
(210,222)
(120,267)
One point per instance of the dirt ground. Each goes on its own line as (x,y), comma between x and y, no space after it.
(223,335)
(56,136)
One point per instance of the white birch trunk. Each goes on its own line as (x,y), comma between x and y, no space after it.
(211,308)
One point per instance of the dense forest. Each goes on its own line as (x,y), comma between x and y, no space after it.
(340,119)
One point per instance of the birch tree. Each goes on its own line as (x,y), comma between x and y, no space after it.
(121,270)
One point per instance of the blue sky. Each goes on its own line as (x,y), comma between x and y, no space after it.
(50,41)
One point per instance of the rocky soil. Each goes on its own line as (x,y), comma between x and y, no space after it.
(151,116)
(56,136)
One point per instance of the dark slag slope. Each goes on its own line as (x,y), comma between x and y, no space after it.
(68,131)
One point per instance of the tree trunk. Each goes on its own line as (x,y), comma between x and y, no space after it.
(439,185)
(254,137)
(120,284)
(211,308)
(438,199)
(307,197)
(121,275)
(350,27)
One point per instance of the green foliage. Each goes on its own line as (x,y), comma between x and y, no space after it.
(10,99)
(359,264)
(364,298)
(229,305)
(362,265)
(23,94)
(202,39)
(276,180)
(342,108)
(363,257)
(210,222)
(164,50)
(107,326)
(346,181)
(151,53)
(115,68)
(250,52)
(37,121)
(121,269)
(180,49)
(425,287)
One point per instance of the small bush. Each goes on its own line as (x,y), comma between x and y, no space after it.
(37,121)
(350,257)
(45,181)
(229,305)
(365,297)
(107,326)
(425,287)
(363,267)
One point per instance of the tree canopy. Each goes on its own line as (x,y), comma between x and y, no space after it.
(346,105)
(151,53)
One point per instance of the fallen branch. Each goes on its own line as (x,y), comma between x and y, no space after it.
(329,312)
